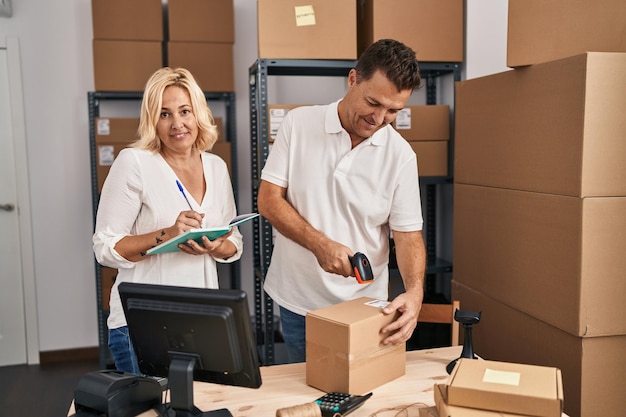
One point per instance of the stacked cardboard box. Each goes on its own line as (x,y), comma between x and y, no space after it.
(112,135)
(540,203)
(127,43)
(129,39)
(342,29)
(542,31)
(427,129)
(432,28)
(316,29)
(201,39)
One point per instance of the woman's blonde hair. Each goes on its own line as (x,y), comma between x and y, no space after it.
(153,102)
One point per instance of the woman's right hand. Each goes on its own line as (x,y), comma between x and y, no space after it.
(186,220)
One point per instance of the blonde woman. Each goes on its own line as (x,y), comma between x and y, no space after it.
(142,205)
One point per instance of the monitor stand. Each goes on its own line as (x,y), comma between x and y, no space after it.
(181,392)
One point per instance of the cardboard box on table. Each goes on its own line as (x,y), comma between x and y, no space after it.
(592,367)
(506,387)
(557,258)
(444,409)
(344,352)
(315,29)
(556,127)
(112,135)
(542,31)
(434,29)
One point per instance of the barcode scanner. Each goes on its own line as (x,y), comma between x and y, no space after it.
(362,268)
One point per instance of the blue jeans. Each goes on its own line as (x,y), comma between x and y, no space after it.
(122,351)
(294,333)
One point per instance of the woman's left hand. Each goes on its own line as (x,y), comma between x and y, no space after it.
(218,248)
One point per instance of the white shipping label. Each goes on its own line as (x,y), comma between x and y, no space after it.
(103,127)
(403,120)
(377,303)
(276,118)
(106,155)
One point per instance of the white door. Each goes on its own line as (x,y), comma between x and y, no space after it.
(13,338)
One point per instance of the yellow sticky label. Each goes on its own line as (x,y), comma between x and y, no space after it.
(501,377)
(305,15)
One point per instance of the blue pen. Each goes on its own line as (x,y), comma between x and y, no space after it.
(180,187)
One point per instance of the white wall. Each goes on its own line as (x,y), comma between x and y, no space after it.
(55,40)
(485,37)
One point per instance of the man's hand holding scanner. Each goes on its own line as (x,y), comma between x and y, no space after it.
(362,268)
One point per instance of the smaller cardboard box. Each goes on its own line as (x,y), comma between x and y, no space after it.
(316,29)
(211,63)
(432,157)
(201,20)
(125,65)
(344,350)
(506,387)
(431,122)
(112,135)
(446,410)
(137,20)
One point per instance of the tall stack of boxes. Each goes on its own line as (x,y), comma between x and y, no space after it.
(127,43)
(540,200)
(427,129)
(201,39)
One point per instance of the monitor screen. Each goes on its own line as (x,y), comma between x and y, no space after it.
(204,333)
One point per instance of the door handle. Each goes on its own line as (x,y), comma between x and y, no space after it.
(7,207)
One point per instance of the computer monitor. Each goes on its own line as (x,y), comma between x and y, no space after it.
(188,334)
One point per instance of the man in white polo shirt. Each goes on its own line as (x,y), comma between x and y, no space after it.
(339,179)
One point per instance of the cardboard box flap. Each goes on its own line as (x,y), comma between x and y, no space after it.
(446,410)
(507,387)
(352,312)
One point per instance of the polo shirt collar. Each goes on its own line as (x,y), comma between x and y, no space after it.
(333,125)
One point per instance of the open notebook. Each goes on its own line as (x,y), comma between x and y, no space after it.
(196,234)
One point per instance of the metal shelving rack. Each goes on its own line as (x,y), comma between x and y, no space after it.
(259,150)
(94,99)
